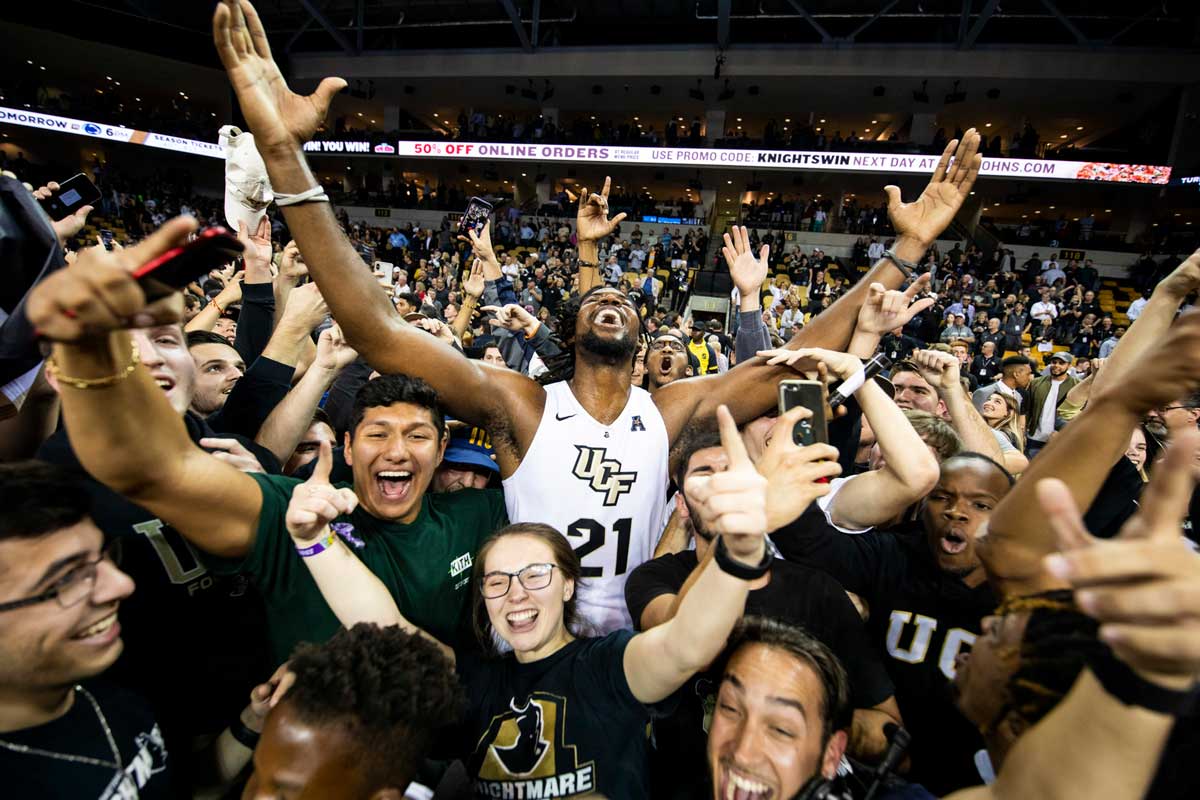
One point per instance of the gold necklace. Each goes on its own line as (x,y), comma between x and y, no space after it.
(116,763)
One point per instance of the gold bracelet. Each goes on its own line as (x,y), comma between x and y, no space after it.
(53,371)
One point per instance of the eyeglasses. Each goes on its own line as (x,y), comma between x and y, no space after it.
(535,576)
(661,345)
(1172,408)
(77,585)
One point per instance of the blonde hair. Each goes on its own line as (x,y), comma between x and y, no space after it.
(1008,425)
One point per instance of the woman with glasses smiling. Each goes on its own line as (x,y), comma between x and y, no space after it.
(563,713)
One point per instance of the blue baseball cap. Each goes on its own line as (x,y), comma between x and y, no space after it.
(471,446)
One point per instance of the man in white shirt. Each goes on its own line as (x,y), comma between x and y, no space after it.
(875,250)
(1044,308)
(1135,308)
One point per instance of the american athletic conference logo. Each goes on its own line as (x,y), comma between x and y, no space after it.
(602,473)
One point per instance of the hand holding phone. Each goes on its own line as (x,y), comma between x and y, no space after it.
(69,196)
(168,273)
(810,395)
(478,212)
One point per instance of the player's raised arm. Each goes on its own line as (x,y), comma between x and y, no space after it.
(281,122)
(751,392)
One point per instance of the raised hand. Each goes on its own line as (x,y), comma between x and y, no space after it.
(481,244)
(794,474)
(291,264)
(512,317)
(592,222)
(474,284)
(256,251)
(316,503)
(267,695)
(885,310)
(747,272)
(97,293)
(69,225)
(333,351)
(1144,585)
(733,503)
(940,370)
(931,213)
(305,307)
(279,118)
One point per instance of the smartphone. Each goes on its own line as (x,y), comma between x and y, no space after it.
(73,194)
(811,395)
(478,212)
(212,248)
(106,238)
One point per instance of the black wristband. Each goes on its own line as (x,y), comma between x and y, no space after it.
(1119,680)
(243,734)
(907,267)
(729,566)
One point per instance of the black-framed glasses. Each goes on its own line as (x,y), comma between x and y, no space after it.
(495,585)
(74,587)
(1172,408)
(660,344)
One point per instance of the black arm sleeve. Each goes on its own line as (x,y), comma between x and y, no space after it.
(253,399)
(256,320)
(844,433)
(339,405)
(652,579)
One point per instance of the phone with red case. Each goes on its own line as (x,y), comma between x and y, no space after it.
(212,248)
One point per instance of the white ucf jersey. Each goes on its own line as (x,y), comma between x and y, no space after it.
(603,486)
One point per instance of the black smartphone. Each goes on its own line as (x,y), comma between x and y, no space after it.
(106,237)
(212,248)
(478,212)
(72,194)
(811,395)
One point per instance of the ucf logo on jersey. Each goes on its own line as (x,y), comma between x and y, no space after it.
(602,473)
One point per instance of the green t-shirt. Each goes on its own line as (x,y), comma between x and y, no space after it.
(426,565)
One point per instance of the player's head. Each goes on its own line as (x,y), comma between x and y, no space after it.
(394,445)
(360,718)
(523,586)
(59,586)
(606,325)
(1024,661)
(968,488)
(782,712)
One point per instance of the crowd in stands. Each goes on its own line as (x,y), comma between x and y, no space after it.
(498,511)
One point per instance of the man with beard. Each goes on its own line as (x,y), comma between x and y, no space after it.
(790,592)
(926,591)
(588,439)
(1046,394)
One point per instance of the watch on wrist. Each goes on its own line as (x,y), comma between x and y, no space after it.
(730,566)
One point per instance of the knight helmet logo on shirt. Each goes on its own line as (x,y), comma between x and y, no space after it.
(524,752)
(602,473)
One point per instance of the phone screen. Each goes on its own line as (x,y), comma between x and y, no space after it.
(476,216)
(70,197)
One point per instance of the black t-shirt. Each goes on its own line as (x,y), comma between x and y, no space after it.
(195,642)
(145,765)
(921,618)
(796,594)
(563,725)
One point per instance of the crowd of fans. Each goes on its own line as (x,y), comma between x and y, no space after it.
(497,512)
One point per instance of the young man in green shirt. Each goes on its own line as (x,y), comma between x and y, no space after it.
(127,436)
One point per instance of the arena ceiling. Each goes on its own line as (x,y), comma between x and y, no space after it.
(181,29)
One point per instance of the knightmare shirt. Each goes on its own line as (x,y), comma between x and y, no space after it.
(144,760)
(564,725)
(426,565)
(921,618)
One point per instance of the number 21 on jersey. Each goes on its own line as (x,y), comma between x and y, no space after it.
(594,537)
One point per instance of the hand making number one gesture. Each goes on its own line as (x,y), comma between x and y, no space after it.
(278,117)
(316,503)
(733,503)
(592,222)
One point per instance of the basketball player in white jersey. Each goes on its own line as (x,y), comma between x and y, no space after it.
(596,447)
